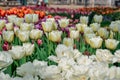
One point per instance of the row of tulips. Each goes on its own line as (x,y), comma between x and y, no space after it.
(72,65)
(20,12)
(28,38)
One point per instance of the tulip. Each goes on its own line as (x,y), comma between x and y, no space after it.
(29,48)
(114,26)
(111,43)
(11,18)
(39,42)
(16,30)
(98,18)
(55,36)
(25,27)
(111,35)
(5,46)
(88,30)
(88,37)
(36,34)
(68,41)
(52,20)
(17,52)
(102,32)
(81,27)
(35,18)
(18,21)
(23,35)
(8,36)
(5,59)
(74,34)
(28,18)
(84,20)
(95,26)
(47,26)
(63,23)
(96,42)
(9,26)
(2,24)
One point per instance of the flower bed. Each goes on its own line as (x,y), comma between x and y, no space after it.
(35,47)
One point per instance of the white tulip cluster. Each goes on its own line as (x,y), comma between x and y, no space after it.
(72,65)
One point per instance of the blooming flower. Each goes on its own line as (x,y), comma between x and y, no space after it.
(98,18)
(8,36)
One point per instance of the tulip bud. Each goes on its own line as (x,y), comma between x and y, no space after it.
(111,43)
(39,42)
(5,46)
(8,36)
(47,26)
(36,34)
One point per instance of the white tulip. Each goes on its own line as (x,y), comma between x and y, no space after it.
(11,18)
(74,34)
(5,59)
(52,20)
(117,56)
(26,69)
(68,41)
(88,37)
(84,19)
(35,18)
(8,36)
(63,23)
(23,35)
(17,52)
(36,34)
(81,27)
(29,48)
(88,30)
(47,26)
(111,43)
(102,32)
(4,76)
(9,26)
(18,21)
(55,36)
(104,55)
(25,27)
(28,18)
(96,42)
(98,18)
(2,24)
(95,26)
(114,26)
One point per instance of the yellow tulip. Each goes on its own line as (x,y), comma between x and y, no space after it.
(2,24)
(68,41)
(55,36)
(98,18)
(36,34)
(29,48)
(102,32)
(84,19)
(96,42)
(63,23)
(95,26)
(74,34)
(47,26)
(23,35)
(9,26)
(88,37)
(17,52)
(25,27)
(111,43)
(8,36)
(81,27)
